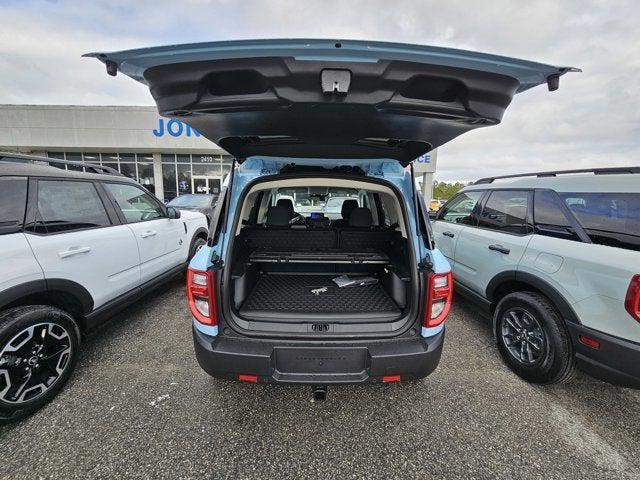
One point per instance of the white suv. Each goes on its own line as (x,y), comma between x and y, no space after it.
(74,248)
(555,258)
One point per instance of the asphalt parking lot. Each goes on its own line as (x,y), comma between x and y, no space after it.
(139,406)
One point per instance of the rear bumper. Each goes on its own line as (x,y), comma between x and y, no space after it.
(317,363)
(616,361)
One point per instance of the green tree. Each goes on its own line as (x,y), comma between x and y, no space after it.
(445,190)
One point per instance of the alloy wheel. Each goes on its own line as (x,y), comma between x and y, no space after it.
(33,361)
(523,336)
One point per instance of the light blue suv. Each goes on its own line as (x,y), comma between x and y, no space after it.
(555,258)
(287,296)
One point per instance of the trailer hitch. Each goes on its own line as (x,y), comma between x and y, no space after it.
(319,393)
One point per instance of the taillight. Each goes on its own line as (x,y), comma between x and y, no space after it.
(439,296)
(632,300)
(200,294)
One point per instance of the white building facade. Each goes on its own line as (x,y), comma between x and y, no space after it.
(166,156)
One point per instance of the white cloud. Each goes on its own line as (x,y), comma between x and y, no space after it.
(594,119)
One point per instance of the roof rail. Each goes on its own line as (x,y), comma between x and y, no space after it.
(595,171)
(23,158)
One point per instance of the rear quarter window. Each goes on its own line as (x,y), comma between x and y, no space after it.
(13,198)
(64,206)
(611,219)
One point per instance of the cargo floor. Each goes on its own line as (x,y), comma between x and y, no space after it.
(316,297)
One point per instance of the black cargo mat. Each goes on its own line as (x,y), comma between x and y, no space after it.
(288,296)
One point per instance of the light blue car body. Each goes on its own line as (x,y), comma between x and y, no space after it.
(381,169)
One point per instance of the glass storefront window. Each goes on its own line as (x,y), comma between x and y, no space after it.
(168,158)
(145,175)
(128,169)
(183,158)
(184,178)
(169,181)
(91,157)
(127,157)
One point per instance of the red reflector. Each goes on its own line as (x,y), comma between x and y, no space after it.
(248,378)
(632,300)
(589,342)
(390,378)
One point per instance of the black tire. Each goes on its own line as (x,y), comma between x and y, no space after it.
(552,361)
(13,323)
(196,244)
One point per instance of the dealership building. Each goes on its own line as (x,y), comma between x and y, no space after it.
(165,155)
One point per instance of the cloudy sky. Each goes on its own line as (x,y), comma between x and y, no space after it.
(593,120)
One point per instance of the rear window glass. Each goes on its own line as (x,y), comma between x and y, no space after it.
(506,211)
(65,206)
(13,197)
(608,218)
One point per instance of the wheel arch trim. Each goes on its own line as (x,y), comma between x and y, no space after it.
(49,285)
(557,299)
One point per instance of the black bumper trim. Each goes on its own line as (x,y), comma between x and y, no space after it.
(617,361)
(317,362)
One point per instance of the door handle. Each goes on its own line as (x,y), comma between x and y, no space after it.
(148,233)
(499,248)
(73,251)
(448,234)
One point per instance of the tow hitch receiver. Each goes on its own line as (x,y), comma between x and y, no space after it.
(319,393)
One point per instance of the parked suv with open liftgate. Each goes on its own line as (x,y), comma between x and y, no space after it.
(322,119)
(555,257)
(74,248)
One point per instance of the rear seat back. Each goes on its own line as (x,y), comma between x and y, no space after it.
(362,240)
(289,239)
(277,235)
(361,235)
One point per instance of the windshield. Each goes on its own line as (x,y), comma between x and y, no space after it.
(192,201)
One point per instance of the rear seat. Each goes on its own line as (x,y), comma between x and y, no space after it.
(277,234)
(361,235)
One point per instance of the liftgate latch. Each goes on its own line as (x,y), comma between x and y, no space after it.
(335,81)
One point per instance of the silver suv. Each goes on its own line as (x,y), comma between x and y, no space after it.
(555,258)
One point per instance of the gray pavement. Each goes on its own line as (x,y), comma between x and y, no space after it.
(139,406)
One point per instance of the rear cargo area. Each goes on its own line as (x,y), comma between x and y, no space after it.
(287,275)
(290,295)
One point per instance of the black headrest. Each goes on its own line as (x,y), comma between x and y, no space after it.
(360,217)
(278,216)
(288,204)
(347,207)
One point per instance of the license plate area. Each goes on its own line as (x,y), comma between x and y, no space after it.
(293,360)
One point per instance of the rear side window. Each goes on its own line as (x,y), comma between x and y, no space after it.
(506,211)
(608,218)
(460,208)
(64,206)
(549,217)
(136,205)
(13,198)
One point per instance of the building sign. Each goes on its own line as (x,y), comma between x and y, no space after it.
(174,128)
(426,163)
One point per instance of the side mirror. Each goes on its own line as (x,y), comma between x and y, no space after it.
(173,213)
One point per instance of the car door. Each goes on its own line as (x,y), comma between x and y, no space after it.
(452,219)
(499,240)
(76,237)
(19,266)
(159,238)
